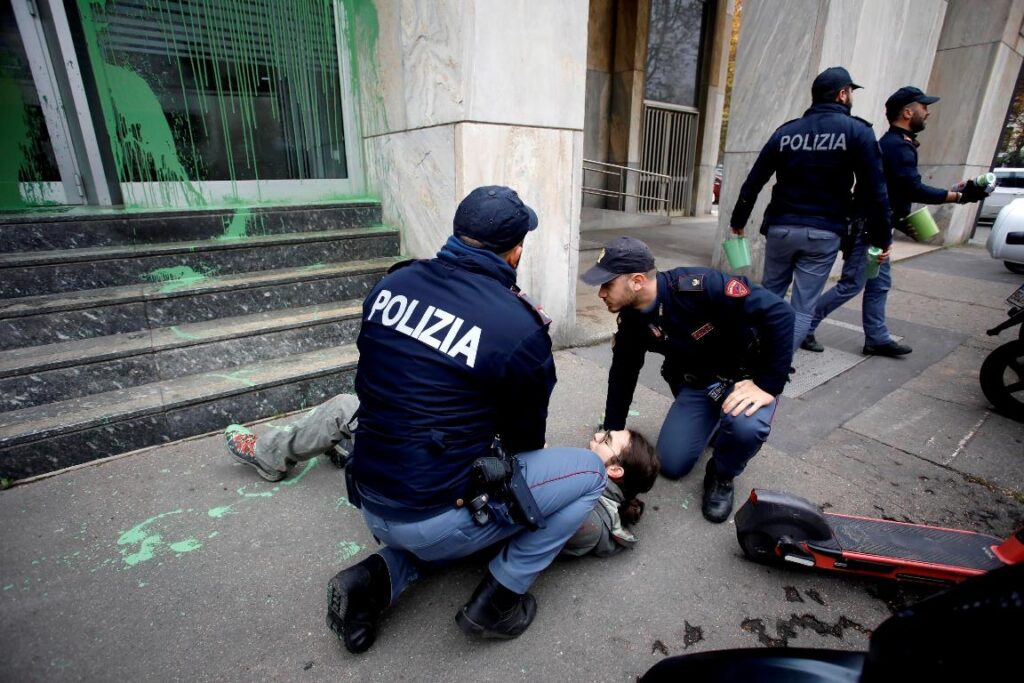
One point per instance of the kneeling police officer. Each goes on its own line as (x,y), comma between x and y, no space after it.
(451,356)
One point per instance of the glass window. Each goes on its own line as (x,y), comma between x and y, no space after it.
(218,90)
(673,51)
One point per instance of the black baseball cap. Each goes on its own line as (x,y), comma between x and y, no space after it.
(832,79)
(495,217)
(907,95)
(621,256)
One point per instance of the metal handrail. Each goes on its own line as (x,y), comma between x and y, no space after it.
(622,172)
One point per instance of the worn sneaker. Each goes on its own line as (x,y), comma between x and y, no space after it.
(242,447)
(892,348)
(811,344)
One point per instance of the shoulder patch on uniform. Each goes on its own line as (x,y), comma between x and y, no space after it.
(736,289)
(864,121)
(401,264)
(690,282)
(534,306)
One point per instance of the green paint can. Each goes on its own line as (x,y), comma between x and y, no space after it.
(873,265)
(737,251)
(922,225)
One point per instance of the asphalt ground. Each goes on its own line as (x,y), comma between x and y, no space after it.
(175,563)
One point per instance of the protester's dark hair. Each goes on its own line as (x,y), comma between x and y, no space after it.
(640,467)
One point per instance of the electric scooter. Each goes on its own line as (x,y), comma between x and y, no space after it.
(1002,372)
(779,528)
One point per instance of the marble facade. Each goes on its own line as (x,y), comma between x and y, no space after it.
(456,94)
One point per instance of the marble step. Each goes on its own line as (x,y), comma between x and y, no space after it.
(67,270)
(44,438)
(77,227)
(53,318)
(55,372)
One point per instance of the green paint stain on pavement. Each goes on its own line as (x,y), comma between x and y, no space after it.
(142,584)
(347,550)
(241,490)
(686,502)
(147,542)
(213,534)
(178,332)
(634,413)
(343,502)
(314,266)
(310,464)
(219,512)
(186,546)
(8,586)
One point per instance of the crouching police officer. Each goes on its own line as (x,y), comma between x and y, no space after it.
(727,345)
(452,355)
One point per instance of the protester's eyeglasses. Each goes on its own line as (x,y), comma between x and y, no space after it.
(606,439)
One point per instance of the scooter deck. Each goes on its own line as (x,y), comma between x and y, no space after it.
(915,543)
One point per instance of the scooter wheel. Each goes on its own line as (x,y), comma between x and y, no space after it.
(759,547)
(1002,379)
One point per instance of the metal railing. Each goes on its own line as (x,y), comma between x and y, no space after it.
(669,145)
(637,186)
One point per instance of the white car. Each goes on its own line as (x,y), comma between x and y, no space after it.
(1009,186)
(1006,241)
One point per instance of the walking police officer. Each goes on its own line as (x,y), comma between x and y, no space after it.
(727,345)
(451,355)
(906,110)
(815,160)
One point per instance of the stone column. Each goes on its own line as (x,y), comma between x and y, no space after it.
(628,88)
(885,44)
(712,102)
(596,130)
(979,56)
(460,93)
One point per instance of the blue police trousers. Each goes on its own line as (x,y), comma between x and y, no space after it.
(802,256)
(853,279)
(692,420)
(566,483)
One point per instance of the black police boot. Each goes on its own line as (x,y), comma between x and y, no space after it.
(811,344)
(496,612)
(717,495)
(356,599)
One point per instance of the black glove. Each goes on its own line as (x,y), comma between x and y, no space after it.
(971,193)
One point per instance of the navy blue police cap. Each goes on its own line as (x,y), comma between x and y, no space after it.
(832,79)
(621,256)
(908,94)
(495,217)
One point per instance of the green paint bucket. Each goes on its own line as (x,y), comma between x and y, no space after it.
(922,225)
(738,252)
(872,265)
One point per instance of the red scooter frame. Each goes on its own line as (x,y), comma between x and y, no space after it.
(776,528)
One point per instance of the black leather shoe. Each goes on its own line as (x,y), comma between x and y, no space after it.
(356,599)
(811,344)
(718,495)
(495,611)
(891,348)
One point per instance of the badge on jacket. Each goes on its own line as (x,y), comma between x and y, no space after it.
(736,289)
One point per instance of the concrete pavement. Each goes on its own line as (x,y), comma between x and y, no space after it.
(174,563)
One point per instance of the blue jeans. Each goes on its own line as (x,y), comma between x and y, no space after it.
(802,256)
(853,279)
(566,483)
(690,423)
